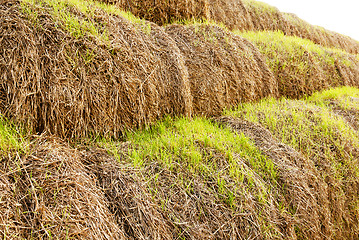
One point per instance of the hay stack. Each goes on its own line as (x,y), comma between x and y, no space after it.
(77,86)
(199,210)
(299,184)
(223,70)
(122,75)
(302,67)
(164,12)
(241,15)
(129,200)
(52,194)
(59,191)
(332,157)
(233,14)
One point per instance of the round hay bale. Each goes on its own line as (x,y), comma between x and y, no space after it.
(233,14)
(268,85)
(241,15)
(264,16)
(48,192)
(80,86)
(348,68)
(223,70)
(299,183)
(130,202)
(175,92)
(163,12)
(302,67)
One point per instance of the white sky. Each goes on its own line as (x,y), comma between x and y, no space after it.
(341,16)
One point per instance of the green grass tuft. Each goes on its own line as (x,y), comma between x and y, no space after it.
(86,25)
(11,138)
(193,144)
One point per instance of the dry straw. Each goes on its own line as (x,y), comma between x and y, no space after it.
(59,191)
(299,186)
(50,193)
(224,69)
(236,14)
(129,200)
(302,67)
(86,86)
(91,80)
(163,12)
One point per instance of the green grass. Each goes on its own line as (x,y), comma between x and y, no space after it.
(315,131)
(84,26)
(323,137)
(346,97)
(260,7)
(268,41)
(12,138)
(300,66)
(193,143)
(199,148)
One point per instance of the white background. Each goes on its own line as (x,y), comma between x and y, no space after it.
(341,16)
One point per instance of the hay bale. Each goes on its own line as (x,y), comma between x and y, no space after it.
(164,12)
(54,195)
(198,211)
(60,191)
(223,70)
(333,156)
(264,17)
(347,66)
(248,15)
(129,200)
(77,86)
(299,184)
(302,67)
(233,14)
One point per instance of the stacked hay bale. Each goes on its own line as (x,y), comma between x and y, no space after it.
(59,196)
(233,14)
(224,69)
(59,191)
(302,67)
(87,70)
(87,79)
(164,12)
(241,15)
(264,16)
(329,147)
